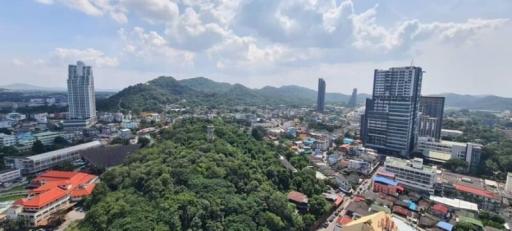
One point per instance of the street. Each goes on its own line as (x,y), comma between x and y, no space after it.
(346,201)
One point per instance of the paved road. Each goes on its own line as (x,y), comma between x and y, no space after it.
(71,217)
(359,190)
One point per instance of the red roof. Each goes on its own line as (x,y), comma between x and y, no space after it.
(54,185)
(297,197)
(43,199)
(476,191)
(344,220)
(440,208)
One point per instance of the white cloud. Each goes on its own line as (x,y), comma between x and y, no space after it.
(89,55)
(276,37)
(17,62)
(152,47)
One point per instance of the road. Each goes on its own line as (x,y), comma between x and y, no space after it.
(72,216)
(359,190)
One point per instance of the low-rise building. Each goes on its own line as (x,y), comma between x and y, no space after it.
(443,150)
(485,193)
(7,140)
(47,138)
(508,183)
(300,200)
(55,191)
(9,175)
(44,161)
(412,173)
(451,133)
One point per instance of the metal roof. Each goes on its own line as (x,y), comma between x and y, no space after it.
(71,149)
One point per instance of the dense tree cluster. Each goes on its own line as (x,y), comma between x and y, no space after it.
(484,128)
(184,182)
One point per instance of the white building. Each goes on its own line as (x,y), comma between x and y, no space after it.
(40,162)
(9,175)
(125,134)
(129,124)
(412,173)
(81,96)
(451,133)
(508,184)
(41,118)
(47,138)
(7,140)
(444,150)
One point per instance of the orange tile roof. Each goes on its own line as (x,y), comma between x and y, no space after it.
(57,184)
(44,198)
(476,191)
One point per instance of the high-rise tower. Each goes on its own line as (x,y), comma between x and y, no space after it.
(81,96)
(353,99)
(390,123)
(320,101)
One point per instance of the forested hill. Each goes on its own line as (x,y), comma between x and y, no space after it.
(152,95)
(186,183)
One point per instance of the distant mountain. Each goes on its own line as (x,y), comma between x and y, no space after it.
(29,87)
(477,102)
(21,87)
(202,91)
(152,95)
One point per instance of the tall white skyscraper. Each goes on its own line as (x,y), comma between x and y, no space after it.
(81,96)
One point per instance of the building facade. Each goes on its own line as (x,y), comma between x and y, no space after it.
(54,191)
(81,95)
(412,174)
(353,99)
(44,161)
(9,175)
(436,150)
(508,183)
(431,119)
(7,140)
(320,101)
(390,123)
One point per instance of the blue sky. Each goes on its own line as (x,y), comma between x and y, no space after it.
(463,45)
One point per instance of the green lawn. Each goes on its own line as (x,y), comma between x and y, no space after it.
(11,198)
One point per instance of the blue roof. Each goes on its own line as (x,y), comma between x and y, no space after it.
(385,180)
(411,205)
(348,141)
(444,225)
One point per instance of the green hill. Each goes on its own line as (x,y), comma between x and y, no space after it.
(184,182)
(152,95)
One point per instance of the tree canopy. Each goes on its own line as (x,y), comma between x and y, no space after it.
(184,182)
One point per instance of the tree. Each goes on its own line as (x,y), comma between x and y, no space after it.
(65,166)
(59,140)
(258,133)
(456,165)
(318,206)
(143,141)
(38,147)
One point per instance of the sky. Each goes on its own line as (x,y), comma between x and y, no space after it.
(464,46)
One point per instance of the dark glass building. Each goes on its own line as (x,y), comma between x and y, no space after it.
(431,119)
(353,99)
(320,101)
(390,123)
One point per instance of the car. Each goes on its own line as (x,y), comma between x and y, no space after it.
(325,225)
(331,218)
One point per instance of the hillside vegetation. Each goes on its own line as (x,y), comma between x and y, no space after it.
(187,183)
(152,95)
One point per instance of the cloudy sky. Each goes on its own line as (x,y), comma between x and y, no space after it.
(465,46)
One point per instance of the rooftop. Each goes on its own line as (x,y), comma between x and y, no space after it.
(71,149)
(407,164)
(55,185)
(297,197)
(455,203)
